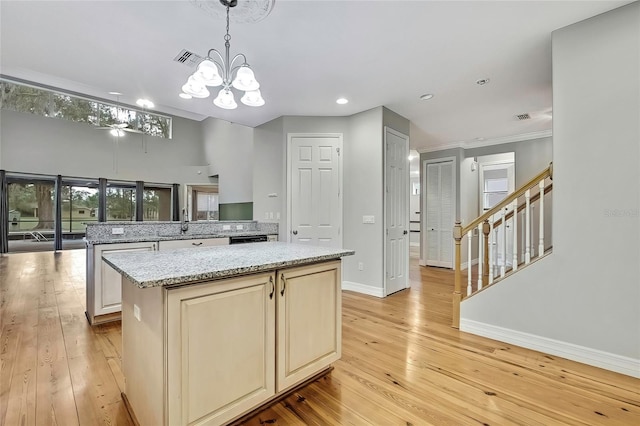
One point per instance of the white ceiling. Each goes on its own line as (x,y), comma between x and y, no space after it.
(306,54)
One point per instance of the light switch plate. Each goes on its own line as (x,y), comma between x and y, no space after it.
(368,219)
(117,231)
(226,227)
(239,227)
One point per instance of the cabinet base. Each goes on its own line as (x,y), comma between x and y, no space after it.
(280,397)
(101,319)
(253,412)
(130,412)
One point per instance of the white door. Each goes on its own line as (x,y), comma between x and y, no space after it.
(497,180)
(315,197)
(396,218)
(440,212)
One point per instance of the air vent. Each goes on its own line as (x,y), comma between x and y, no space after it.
(524,116)
(190,59)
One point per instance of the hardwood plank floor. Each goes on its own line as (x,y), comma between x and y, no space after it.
(402,363)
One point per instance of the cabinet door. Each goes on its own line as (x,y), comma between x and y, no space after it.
(309,321)
(220,349)
(108,281)
(196,242)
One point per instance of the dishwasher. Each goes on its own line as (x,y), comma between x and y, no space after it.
(247,239)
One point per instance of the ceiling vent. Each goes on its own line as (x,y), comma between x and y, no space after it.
(524,116)
(190,59)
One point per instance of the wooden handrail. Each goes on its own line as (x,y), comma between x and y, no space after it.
(508,200)
(459,232)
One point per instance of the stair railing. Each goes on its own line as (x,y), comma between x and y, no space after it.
(494,259)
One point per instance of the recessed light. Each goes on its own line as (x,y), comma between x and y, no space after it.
(145,103)
(342,101)
(426,96)
(185,96)
(482,81)
(115,93)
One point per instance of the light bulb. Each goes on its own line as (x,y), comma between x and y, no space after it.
(253,98)
(245,79)
(225,100)
(207,73)
(195,88)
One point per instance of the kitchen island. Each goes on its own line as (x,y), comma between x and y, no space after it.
(211,334)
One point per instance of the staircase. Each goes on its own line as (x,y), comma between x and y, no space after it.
(504,239)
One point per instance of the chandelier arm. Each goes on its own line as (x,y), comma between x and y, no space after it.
(244,62)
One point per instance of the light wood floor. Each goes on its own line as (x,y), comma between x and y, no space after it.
(402,363)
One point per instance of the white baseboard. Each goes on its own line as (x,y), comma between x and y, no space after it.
(415,244)
(362,288)
(590,356)
(464,265)
(421,262)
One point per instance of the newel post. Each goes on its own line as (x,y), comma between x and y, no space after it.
(457,295)
(485,261)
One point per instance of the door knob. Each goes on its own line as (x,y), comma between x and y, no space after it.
(295,232)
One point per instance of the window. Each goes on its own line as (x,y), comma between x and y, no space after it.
(156,203)
(79,204)
(121,202)
(40,101)
(31,213)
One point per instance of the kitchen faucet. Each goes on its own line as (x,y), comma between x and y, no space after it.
(185,223)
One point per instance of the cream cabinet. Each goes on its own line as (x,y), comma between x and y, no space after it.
(220,349)
(207,353)
(104,292)
(309,321)
(196,242)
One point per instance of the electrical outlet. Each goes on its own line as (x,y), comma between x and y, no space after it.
(239,227)
(278,215)
(266,215)
(368,219)
(136,311)
(270,215)
(117,231)
(360,266)
(226,227)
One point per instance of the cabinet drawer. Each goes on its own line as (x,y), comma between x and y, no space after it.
(196,242)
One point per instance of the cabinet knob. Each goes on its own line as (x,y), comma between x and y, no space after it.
(295,232)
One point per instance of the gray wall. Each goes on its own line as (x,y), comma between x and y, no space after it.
(35,144)
(587,293)
(270,162)
(363,180)
(228,149)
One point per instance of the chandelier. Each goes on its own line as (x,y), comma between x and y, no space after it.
(236,73)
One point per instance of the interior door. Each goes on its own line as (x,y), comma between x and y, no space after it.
(396,211)
(315,190)
(440,211)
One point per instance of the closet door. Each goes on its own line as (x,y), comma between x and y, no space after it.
(440,212)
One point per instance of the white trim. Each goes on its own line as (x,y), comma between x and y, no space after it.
(423,217)
(464,265)
(338,136)
(489,142)
(414,244)
(585,355)
(363,288)
(392,131)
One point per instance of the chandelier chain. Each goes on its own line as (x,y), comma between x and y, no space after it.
(227,37)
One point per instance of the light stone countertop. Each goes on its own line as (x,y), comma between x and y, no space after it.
(184,266)
(115,239)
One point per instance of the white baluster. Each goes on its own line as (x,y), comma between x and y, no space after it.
(541,229)
(480,255)
(492,239)
(503,266)
(515,235)
(527,226)
(469,263)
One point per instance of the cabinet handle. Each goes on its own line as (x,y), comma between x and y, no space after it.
(154,246)
(273,287)
(284,284)
(196,244)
